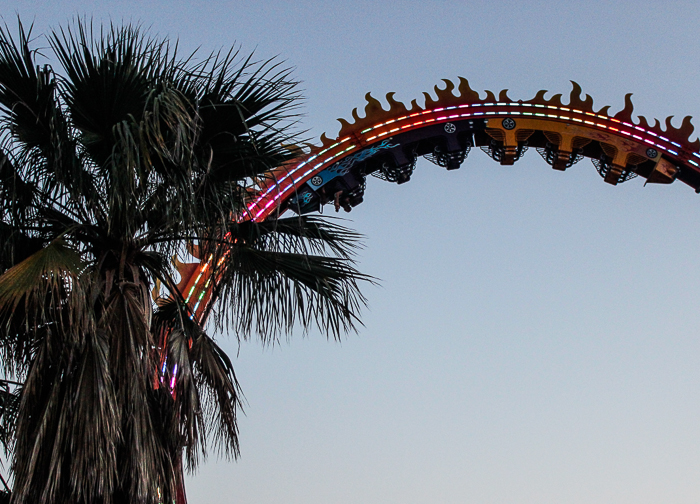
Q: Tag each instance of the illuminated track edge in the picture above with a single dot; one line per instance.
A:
(386, 143)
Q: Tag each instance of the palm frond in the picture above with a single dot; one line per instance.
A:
(10, 395)
(304, 234)
(203, 381)
(267, 293)
(33, 296)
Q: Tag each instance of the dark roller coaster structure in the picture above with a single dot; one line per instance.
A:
(386, 144)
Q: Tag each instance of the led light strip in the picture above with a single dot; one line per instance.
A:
(207, 283)
(532, 114)
(289, 181)
(203, 267)
(201, 272)
(282, 191)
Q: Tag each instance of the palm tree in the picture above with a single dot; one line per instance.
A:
(116, 156)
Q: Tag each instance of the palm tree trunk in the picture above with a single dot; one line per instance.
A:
(180, 497)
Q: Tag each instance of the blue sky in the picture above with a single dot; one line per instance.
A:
(535, 335)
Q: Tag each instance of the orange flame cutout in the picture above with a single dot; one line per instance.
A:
(374, 112)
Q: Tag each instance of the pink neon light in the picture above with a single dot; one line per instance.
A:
(172, 380)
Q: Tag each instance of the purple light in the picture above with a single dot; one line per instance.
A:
(172, 380)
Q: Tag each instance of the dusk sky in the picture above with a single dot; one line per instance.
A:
(535, 335)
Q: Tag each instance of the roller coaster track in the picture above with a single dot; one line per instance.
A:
(386, 144)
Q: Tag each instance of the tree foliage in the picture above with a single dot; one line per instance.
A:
(117, 155)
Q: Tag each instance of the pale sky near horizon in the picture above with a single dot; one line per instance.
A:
(534, 339)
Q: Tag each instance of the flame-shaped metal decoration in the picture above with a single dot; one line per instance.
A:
(386, 143)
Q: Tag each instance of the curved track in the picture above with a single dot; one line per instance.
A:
(387, 143)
